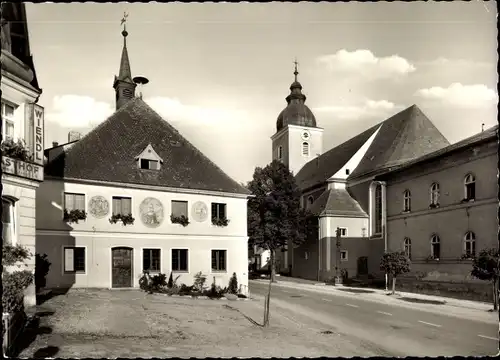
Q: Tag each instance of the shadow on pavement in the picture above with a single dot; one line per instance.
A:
(245, 316)
(32, 329)
(357, 291)
(46, 295)
(422, 301)
(46, 352)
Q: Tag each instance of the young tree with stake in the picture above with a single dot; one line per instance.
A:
(485, 267)
(395, 264)
(275, 217)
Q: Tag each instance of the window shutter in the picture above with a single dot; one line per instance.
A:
(79, 202)
(175, 259)
(69, 260)
(214, 260)
(214, 211)
(126, 206)
(69, 202)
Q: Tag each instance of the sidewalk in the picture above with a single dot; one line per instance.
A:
(462, 308)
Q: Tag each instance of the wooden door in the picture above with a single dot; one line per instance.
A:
(362, 265)
(121, 267)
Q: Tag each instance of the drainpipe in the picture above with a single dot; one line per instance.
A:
(320, 250)
(384, 224)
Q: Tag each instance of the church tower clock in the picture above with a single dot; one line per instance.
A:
(298, 139)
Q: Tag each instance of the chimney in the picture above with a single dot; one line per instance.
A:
(73, 136)
(55, 143)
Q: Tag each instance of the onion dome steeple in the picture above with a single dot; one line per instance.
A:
(123, 84)
(296, 112)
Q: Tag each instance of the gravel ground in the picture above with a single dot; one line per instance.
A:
(103, 323)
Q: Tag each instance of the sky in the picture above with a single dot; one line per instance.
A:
(220, 73)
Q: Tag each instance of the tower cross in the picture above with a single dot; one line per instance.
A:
(296, 72)
(124, 20)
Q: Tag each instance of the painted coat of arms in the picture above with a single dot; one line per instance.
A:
(151, 211)
(98, 206)
(199, 211)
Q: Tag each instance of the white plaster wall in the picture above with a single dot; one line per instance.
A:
(50, 207)
(296, 159)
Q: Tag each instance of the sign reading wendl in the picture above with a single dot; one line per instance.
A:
(38, 134)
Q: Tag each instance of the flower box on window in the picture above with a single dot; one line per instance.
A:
(16, 150)
(434, 206)
(220, 222)
(125, 219)
(182, 219)
(73, 216)
(467, 256)
(431, 258)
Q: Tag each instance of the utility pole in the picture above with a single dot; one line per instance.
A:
(338, 278)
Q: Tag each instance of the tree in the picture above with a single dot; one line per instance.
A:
(395, 263)
(275, 217)
(485, 267)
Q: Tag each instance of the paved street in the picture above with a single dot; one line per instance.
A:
(397, 331)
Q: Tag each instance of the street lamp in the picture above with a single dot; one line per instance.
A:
(338, 278)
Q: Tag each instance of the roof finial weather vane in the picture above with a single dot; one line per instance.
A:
(296, 71)
(123, 22)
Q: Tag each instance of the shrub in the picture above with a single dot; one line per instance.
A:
(13, 290)
(233, 284)
(170, 283)
(185, 290)
(159, 281)
(144, 283)
(12, 254)
(215, 291)
(199, 281)
(42, 267)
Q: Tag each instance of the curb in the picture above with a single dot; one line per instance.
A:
(456, 303)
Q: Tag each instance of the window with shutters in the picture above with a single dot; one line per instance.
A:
(219, 260)
(122, 205)
(8, 225)
(8, 123)
(74, 260)
(151, 260)
(74, 201)
(180, 260)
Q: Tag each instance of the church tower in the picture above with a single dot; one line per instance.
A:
(124, 85)
(298, 139)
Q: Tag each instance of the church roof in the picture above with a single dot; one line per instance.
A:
(483, 136)
(108, 153)
(337, 202)
(296, 111)
(404, 136)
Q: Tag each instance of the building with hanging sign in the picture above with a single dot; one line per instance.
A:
(22, 135)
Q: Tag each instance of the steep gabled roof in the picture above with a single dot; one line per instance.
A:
(337, 202)
(403, 137)
(108, 153)
(484, 136)
(318, 170)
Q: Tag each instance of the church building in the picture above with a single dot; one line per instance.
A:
(346, 188)
(134, 195)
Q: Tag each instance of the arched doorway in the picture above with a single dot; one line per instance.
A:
(121, 267)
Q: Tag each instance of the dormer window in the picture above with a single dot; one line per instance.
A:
(149, 164)
(148, 159)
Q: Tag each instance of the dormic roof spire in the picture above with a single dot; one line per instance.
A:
(125, 72)
(124, 85)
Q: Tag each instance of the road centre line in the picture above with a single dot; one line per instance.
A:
(427, 323)
(326, 300)
(488, 337)
(351, 305)
(384, 313)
